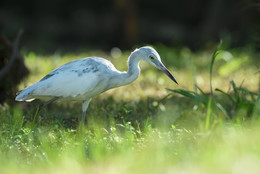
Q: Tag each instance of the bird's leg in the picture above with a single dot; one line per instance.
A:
(48, 102)
(42, 105)
(84, 110)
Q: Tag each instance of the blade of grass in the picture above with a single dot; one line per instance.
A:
(220, 107)
(214, 55)
(226, 94)
(185, 93)
(250, 93)
(202, 92)
(207, 122)
(192, 95)
(35, 114)
(236, 93)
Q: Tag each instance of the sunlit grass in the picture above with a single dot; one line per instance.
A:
(143, 127)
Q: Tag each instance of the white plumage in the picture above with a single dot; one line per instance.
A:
(82, 79)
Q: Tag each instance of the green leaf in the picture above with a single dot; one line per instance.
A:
(226, 94)
(235, 91)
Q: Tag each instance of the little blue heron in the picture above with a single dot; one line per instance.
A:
(82, 79)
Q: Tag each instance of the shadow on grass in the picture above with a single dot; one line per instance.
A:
(107, 113)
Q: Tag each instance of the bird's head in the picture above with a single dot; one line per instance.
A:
(151, 56)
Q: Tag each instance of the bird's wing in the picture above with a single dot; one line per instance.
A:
(74, 78)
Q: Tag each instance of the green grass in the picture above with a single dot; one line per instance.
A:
(208, 124)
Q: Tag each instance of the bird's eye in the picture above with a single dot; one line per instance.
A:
(151, 57)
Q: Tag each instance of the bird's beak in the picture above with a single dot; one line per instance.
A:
(166, 71)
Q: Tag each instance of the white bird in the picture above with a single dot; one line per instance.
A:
(82, 79)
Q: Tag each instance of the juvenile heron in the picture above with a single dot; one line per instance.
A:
(82, 79)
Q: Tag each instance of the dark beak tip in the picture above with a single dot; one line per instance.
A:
(175, 81)
(166, 71)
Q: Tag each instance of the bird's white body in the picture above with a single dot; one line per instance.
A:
(77, 80)
(82, 79)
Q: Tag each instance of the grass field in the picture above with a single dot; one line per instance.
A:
(210, 123)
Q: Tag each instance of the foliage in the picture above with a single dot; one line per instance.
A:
(206, 130)
(240, 103)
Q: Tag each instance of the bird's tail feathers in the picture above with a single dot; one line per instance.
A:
(24, 95)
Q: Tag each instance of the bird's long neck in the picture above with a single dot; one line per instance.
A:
(133, 70)
(124, 78)
(133, 67)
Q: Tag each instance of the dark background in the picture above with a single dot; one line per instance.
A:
(59, 24)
